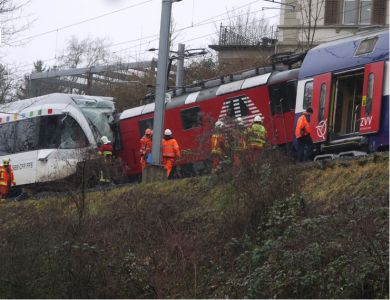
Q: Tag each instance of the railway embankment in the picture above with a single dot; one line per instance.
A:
(267, 229)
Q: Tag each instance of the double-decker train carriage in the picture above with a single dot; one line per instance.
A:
(45, 137)
(191, 116)
(346, 82)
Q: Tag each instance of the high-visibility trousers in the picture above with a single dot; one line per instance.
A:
(4, 190)
(143, 163)
(168, 164)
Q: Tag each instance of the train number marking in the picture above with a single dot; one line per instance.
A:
(21, 166)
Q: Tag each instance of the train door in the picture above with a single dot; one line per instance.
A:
(371, 98)
(346, 105)
(282, 102)
(320, 104)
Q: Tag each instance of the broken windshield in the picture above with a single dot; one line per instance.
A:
(100, 113)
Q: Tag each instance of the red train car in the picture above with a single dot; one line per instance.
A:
(191, 116)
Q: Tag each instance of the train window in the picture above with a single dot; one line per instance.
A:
(145, 124)
(370, 91)
(366, 46)
(277, 96)
(7, 134)
(282, 97)
(308, 95)
(72, 136)
(321, 110)
(236, 107)
(50, 132)
(191, 118)
(27, 135)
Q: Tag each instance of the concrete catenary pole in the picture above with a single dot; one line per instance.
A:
(161, 82)
(180, 69)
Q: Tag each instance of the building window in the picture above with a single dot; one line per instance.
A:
(357, 12)
(191, 118)
(365, 12)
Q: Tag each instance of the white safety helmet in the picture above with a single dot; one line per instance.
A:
(258, 118)
(219, 124)
(240, 121)
(104, 140)
(167, 132)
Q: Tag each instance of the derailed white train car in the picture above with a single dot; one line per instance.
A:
(45, 137)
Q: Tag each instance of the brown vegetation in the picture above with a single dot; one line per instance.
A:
(268, 229)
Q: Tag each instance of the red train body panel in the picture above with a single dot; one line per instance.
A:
(191, 117)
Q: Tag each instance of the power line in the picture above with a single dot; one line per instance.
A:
(80, 22)
(201, 23)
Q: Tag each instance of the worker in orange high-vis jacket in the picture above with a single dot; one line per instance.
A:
(146, 147)
(170, 151)
(6, 178)
(302, 134)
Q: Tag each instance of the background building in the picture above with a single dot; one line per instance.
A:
(311, 22)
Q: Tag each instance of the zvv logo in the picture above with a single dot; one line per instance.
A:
(366, 121)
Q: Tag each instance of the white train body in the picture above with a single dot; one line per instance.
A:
(45, 137)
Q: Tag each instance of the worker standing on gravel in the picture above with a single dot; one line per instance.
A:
(6, 178)
(170, 151)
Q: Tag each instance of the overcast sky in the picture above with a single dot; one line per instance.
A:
(130, 31)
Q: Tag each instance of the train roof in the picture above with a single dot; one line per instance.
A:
(214, 88)
(346, 53)
(199, 95)
(57, 101)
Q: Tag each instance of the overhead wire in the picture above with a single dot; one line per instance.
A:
(79, 22)
(201, 23)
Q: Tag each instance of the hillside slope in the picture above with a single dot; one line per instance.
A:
(268, 229)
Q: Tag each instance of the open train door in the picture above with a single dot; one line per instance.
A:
(371, 98)
(320, 104)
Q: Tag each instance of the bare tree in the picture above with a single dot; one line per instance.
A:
(85, 53)
(8, 84)
(10, 12)
(244, 28)
(311, 12)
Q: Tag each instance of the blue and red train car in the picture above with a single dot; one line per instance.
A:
(346, 82)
